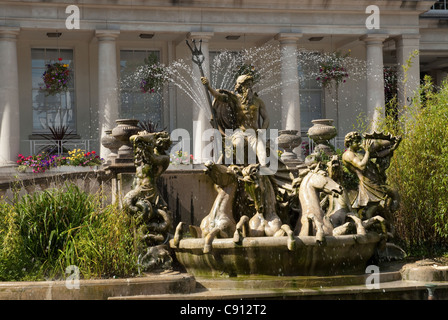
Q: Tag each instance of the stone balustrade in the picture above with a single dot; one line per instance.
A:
(22, 183)
(189, 206)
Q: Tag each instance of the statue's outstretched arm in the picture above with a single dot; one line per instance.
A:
(216, 94)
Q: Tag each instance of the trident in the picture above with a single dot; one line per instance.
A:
(198, 58)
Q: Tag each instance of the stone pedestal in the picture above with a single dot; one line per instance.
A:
(123, 131)
(111, 143)
(121, 178)
(321, 133)
(289, 140)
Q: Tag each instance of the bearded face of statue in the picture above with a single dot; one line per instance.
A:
(247, 93)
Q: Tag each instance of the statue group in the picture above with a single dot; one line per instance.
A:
(313, 200)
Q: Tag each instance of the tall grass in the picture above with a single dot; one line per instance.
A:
(419, 170)
(44, 232)
(105, 246)
(13, 260)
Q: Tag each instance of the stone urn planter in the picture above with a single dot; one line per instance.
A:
(123, 131)
(111, 143)
(321, 133)
(289, 140)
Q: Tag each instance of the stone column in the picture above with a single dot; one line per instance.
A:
(407, 87)
(107, 83)
(375, 77)
(201, 114)
(290, 81)
(9, 97)
(290, 97)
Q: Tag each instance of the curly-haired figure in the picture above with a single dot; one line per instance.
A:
(371, 190)
(243, 112)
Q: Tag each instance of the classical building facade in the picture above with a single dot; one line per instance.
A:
(102, 40)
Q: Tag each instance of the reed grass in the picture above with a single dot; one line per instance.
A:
(43, 233)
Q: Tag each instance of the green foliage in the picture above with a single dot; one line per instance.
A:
(12, 251)
(48, 219)
(106, 247)
(419, 168)
(44, 232)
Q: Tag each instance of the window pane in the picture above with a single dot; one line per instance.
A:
(56, 110)
(38, 58)
(37, 80)
(134, 103)
(310, 107)
(310, 93)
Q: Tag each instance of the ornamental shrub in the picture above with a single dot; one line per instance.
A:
(419, 169)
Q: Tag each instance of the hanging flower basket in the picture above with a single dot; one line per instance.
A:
(56, 78)
(333, 70)
(154, 75)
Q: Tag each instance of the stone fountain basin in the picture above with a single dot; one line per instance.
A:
(347, 254)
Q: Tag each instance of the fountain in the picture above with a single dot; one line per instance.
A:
(279, 218)
(234, 240)
(330, 240)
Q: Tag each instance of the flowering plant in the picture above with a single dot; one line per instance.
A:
(56, 77)
(38, 163)
(305, 148)
(43, 162)
(154, 75)
(181, 157)
(78, 157)
(333, 70)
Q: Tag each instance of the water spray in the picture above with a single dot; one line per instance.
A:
(198, 58)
